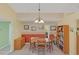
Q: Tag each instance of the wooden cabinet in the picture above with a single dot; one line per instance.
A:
(77, 43)
(18, 43)
(63, 38)
(22, 42)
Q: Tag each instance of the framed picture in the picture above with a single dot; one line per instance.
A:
(33, 28)
(41, 27)
(77, 29)
(52, 28)
(60, 28)
(26, 27)
(71, 29)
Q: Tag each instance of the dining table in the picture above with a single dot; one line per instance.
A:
(38, 43)
(37, 40)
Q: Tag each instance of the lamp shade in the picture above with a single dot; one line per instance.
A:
(41, 21)
(36, 21)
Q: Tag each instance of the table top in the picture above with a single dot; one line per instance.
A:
(38, 39)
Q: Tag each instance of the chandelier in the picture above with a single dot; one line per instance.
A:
(39, 19)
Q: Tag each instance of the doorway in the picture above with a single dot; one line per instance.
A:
(5, 37)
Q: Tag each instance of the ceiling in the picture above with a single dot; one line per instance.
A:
(50, 12)
(45, 7)
(47, 17)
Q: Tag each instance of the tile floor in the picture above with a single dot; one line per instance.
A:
(5, 51)
(26, 51)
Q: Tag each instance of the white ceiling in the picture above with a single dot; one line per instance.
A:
(50, 12)
(47, 17)
(45, 7)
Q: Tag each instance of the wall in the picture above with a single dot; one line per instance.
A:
(77, 23)
(78, 26)
(47, 17)
(7, 14)
(41, 31)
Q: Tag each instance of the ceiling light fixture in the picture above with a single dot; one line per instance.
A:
(39, 19)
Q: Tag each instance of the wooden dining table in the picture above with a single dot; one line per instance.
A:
(38, 40)
(38, 43)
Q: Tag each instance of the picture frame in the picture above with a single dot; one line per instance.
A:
(41, 27)
(71, 29)
(52, 28)
(33, 28)
(77, 29)
(60, 28)
(26, 27)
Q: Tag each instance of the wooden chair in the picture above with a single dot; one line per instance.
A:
(41, 45)
(50, 46)
(33, 43)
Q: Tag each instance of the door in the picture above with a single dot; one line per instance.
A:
(4, 36)
(77, 43)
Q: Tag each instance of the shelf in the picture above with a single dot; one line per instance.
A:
(63, 38)
(61, 47)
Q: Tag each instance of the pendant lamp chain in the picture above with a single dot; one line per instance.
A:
(39, 11)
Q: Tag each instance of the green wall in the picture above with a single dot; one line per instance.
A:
(4, 34)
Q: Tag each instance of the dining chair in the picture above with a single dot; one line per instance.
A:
(50, 46)
(33, 43)
(41, 45)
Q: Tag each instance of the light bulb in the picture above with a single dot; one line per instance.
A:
(41, 21)
(36, 21)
